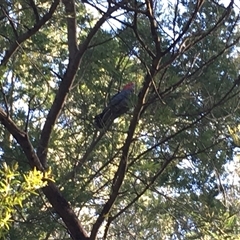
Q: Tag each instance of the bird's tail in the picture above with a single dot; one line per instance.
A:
(98, 121)
(104, 119)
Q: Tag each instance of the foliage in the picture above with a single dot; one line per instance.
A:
(15, 188)
(161, 170)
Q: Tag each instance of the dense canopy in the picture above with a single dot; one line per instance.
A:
(166, 169)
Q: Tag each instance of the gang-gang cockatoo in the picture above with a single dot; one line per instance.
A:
(117, 106)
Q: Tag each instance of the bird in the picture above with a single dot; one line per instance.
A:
(117, 106)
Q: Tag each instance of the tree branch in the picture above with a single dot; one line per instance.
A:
(64, 87)
(165, 164)
(10, 20)
(120, 173)
(34, 8)
(187, 26)
(22, 139)
(154, 26)
(71, 27)
(13, 48)
(54, 196)
(160, 171)
(135, 30)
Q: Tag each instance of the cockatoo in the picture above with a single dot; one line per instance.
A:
(117, 106)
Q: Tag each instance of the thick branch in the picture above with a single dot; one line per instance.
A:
(22, 139)
(34, 8)
(54, 196)
(154, 178)
(165, 164)
(29, 33)
(64, 87)
(71, 27)
(65, 211)
(120, 174)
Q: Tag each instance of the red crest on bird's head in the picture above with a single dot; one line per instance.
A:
(129, 86)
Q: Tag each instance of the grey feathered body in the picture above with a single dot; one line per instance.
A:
(117, 106)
